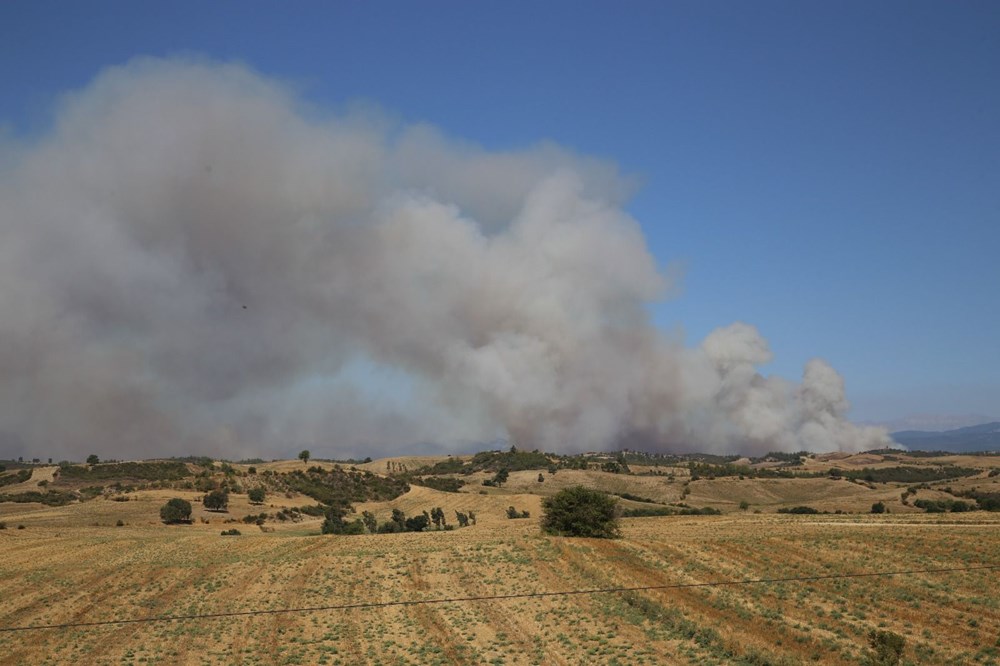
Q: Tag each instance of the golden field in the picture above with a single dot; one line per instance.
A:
(73, 564)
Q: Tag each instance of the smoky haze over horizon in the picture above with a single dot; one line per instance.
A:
(195, 261)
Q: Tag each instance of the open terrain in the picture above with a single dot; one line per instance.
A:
(73, 563)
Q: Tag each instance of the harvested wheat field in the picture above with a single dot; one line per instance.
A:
(61, 568)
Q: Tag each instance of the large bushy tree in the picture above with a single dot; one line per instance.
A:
(581, 512)
(176, 511)
(217, 500)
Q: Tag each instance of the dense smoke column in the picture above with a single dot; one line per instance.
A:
(194, 262)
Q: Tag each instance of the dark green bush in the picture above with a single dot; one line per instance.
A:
(176, 510)
(581, 512)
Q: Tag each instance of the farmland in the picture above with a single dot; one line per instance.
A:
(74, 563)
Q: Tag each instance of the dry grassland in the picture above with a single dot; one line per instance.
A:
(71, 564)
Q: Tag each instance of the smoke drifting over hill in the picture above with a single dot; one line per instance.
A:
(193, 260)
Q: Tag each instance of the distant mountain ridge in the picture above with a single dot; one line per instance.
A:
(982, 437)
(933, 422)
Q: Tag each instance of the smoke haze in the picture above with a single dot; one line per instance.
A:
(194, 260)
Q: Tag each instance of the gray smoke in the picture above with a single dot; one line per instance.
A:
(193, 260)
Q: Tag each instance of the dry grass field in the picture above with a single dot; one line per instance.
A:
(73, 564)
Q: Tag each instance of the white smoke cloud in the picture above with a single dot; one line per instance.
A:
(192, 261)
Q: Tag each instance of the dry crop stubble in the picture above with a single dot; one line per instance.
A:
(71, 563)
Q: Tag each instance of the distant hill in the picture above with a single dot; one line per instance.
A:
(984, 437)
(933, 422)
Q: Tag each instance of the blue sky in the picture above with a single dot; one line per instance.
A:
(829, 172)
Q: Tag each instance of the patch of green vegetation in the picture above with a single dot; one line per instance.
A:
(18, 477)
(943, 506)
(908, 474)
(670, 511)
(146, 471)
(49, 498)
(338, 487)
(445, 484)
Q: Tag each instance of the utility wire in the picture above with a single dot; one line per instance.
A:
(491, 597)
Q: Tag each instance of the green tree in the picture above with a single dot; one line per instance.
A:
(417, 523)
(368, 518)
(878, 507)
(335, 523)
(217, 500)
(541, 478)
(92, 459)
(304, 456)
(581, 512)
(256, 495)
(437, 516)
(176, 511)
(463, 520)
(501, 477)
(744, 505)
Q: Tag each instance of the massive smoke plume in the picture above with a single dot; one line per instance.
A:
(192, 260)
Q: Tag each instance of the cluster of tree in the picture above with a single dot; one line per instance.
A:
(791, 459)
(713, 470)
(258, 519)
(986, 501)
(944, 506)
(498, 479)
(905, 473)
(18, 477)
(335, 522)
(139, 471)
(513, 513)
(339, 487)
(614, 467)
(512, 460)
(799, 509)
(445, 484)
(51, 498)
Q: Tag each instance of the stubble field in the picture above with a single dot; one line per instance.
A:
(72, 564)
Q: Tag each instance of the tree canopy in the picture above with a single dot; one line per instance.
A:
(581, 512)
(176, 511)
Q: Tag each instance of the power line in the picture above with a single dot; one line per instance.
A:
(492, 597)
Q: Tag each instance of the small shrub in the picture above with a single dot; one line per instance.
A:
(231, 532)
(878, 507)
(886, 648)
(120, 523)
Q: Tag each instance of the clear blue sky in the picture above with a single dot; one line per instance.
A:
(829, 172)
